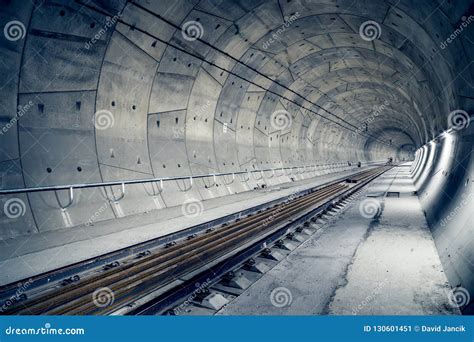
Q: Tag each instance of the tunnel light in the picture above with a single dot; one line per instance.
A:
(447, 148)
(450, 130)
(428, 162)
(443, 134)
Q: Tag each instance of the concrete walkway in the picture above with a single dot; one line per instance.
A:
(377, 257)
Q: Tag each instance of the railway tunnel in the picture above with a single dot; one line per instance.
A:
(336, 134)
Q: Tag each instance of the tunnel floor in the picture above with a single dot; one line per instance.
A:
(355, 265)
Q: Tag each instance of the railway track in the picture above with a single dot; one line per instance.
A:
(132, 278)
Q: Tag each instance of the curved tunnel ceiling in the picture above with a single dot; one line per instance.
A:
(156, 88)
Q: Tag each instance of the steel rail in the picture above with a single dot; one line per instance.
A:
(169, 255)
(139, 277)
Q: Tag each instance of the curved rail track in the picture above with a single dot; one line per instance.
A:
(137, 277)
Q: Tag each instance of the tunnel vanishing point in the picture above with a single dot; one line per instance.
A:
(229, 154)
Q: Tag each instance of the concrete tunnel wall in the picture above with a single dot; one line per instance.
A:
(175, 115)
(443, 171)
